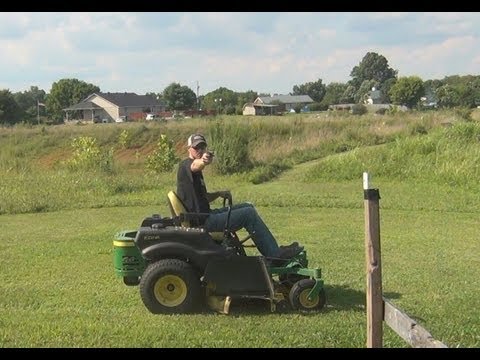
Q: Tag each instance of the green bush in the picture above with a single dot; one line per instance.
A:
(163, 158)
(124, 139)
(88, 156)
(319, 106)
(359, 109)
(230, 142)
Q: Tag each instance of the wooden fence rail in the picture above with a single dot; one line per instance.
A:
(380, 309)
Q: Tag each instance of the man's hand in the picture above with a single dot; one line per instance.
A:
(225, 194)
(207, 158)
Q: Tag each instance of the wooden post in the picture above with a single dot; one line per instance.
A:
(373, 266)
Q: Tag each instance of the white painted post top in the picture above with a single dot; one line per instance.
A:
(366, 180)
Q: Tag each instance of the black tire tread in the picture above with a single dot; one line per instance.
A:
(174, 267)
(296, 290)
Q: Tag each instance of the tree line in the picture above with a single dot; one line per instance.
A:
(373, 71)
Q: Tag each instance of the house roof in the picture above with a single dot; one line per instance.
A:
(118, 99)
(259, 105)
(84, 105)
(130, 99)
(286, 99)
(375, 94)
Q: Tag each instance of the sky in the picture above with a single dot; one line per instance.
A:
(267, 52)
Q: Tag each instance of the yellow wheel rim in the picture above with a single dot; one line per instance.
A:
(170, 290)
(308, 304)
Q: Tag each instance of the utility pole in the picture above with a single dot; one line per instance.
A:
(198, 101)
(38, 113)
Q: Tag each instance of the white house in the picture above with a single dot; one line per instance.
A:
(269, 105)
(109, 107)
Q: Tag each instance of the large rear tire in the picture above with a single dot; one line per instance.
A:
(170, 286)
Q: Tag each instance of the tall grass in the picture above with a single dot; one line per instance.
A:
(59, 289)
(231, 141)
(445, 156)
(40, 191)
(33, 177)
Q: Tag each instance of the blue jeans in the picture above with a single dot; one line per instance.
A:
(244, 215)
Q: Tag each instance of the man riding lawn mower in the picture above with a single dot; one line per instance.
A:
(180, 267)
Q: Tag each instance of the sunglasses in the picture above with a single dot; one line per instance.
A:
(200, 147)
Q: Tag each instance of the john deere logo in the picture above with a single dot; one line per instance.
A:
(129, 260)
(152, 237)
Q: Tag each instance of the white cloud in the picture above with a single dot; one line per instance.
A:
(265, 52)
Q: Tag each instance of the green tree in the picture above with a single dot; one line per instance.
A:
(220, 99)
(363, 90)
(67, 92)
(448, 96)
(467, 89)
(10, 112)
(178, 97)
(407, 91)
(158, 96)
(372, 67)
(27, 102)
(431, 87)
(385, 90)
(348, 96)
(473, 89)
(316, 90)
(333, 94)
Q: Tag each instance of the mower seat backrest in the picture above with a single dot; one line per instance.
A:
(177, 207)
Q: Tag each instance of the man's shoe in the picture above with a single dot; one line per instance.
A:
(288, 252)
(294, 244)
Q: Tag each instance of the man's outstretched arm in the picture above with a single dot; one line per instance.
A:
(224, 194)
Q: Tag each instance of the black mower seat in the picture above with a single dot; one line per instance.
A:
(177, 208)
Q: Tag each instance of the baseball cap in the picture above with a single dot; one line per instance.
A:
(196, 139)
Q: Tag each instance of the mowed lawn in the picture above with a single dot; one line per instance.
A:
(59, 289)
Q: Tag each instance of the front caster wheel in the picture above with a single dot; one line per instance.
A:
(299, 296)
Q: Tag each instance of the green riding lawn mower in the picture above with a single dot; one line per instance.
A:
(181, 268)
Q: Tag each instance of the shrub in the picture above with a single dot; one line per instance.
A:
(163, 158)
(359, 109)
(318, 106)
(231, 144)
(87, 156)
(124, 139)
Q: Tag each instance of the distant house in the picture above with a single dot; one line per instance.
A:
(373, 97)
(110, 107)
(266, 105)
(373, 108)
(341, 107)
(259, 109)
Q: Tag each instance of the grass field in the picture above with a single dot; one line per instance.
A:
(58, 284)
(59, 289)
